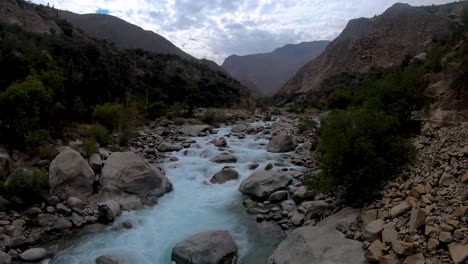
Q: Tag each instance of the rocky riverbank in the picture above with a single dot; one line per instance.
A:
(422, 216)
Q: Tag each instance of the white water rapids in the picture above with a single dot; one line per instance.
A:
(193, 206)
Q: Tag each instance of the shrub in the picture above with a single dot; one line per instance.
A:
(23, 109)
(90, 146)
(339, 99)
(108, 114)
(306, 125)
(28, 183)
(214, 116)
(36, 138)
(360, 149)
(99, 133)
(156, 109)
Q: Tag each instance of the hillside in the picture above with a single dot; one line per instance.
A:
(387, 40)
(266, 73)
(128, 36)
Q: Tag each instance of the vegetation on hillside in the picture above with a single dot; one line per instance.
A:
(48, 81)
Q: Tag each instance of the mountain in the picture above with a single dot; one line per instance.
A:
(402, 31)
(266, 73)
(35, 40)
(128, 36)
(122, 33)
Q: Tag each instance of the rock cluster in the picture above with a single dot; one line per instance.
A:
(422, 217)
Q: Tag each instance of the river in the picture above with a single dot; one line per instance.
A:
(193, 206)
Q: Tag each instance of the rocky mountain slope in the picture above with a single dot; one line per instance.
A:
(366, 43)
(266, 73)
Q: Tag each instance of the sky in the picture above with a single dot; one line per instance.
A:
(215, 29)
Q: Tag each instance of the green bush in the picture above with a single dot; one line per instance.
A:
(24, 109)
(306, 125)
(214, 116)
(28, 183)
(360, 149)
(339, 99)
(90, 146)
(156, 109)
(108, 114)
(36, 138)
(99, 133)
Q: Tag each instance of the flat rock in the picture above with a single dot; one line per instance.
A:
(458, 252)
(110, 260)
(400, 209)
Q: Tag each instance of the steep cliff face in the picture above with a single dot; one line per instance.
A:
(266, 73)
(382, 41)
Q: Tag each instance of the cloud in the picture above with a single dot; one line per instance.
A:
(215, 29)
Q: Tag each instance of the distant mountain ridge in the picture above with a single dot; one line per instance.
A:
(386, 40)
(266, 73)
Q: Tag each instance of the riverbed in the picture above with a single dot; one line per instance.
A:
(193, 206)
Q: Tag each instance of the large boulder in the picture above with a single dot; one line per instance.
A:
(125, 172)
(211, 247)
(281, 143)
(226, 174)
(195, 130)
(321, 243)
(70, 175)
(259, 185)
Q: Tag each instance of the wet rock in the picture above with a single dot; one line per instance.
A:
(195, 130)
(167, 147)
(125, 172)
(70, 175)
(226, 174)
(224, 158)
(221, 143)
(211, 247)
(259, 185)
(238, 129)
(109, 211)
(110, 260)
(281, 143)
(34, 254)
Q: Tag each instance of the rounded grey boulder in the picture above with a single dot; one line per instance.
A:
(70, 175)
(126, 172)
(259, 185)
(281, 143)
(211, 247)
(226, 174)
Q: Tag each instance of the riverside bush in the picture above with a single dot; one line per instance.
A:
(99, 133)
(360, 149)
(108, 114)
